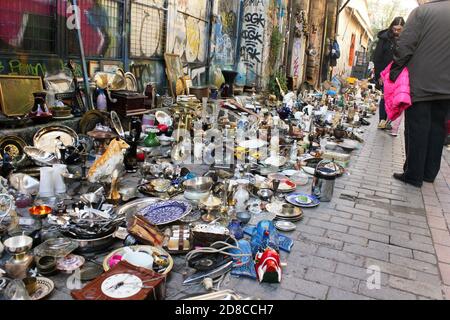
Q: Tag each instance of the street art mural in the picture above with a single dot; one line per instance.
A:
(225, 25)
(29, 25)
(189, 35)
(253, 37)
(147, 29)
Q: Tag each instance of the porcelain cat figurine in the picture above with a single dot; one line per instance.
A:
(103, 167)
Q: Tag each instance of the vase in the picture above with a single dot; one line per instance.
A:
(152, 140)
(241, 197)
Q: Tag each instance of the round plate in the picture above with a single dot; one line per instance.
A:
(14, 146)
(286, 226)
(165, 212)
(64, 118)
(292, 199)
(45, 138)
(148, 249)
(276, 209)
(289, 172)
(44, 287)
(131, 81)
(70, 263)
(253, 144)
(304, 200)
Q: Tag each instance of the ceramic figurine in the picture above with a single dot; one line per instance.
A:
(103, 167)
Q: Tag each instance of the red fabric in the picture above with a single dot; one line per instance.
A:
(397, 95)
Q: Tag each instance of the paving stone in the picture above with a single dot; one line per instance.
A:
(414, 264)
(390, 232)
(327, 225)
(421, 238)
(441, 236)
(310, 229)
(443, 253)
(366, 252)
(350, 222)
(392, 269)
(346, 237)
(437, 223)
(410, 229)
(408, 253)
(423, 256)
(352, 210)
(338, 294)
(324, 241)
(385, 293)
(389, 218)
(332, 279)
(377, 222)
(340, 256)
(358, 272)
(304, 287)
(370, 235)
(399, 241)
(419, 288)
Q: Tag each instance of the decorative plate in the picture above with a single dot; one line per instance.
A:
(166, 211)
(285, 226)
(293, 199)
(45, 139)
(14, 147)
(44, 287)
(70, 263)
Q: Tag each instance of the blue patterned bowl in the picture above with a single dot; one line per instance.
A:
(165, 212)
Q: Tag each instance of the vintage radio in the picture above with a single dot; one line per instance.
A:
(127, 103)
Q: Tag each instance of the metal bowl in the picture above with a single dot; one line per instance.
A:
(265, 194)
(18, 244)
(40, 211)
(40, 157)
(200, 184)
(244, 217)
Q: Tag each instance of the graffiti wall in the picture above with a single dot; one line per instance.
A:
(149, 71)
(252, 42)
(224, 36)
(188, 36)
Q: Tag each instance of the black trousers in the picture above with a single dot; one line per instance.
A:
(383, 114)
(425, 133)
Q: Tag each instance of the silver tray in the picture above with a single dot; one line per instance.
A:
(45, 138)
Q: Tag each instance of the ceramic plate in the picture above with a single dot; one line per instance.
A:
(289, 172)
(14, 147)
(304, 200)
(44, 287)
(64, 118)
(253, 144)
(277, 161)
(70, 263)
(285, 226)
(309, 170)
(292, 199)
(165, 212)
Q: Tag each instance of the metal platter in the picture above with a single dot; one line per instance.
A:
(46, 138)
(131, 208)
(14, 147)
(131, 82)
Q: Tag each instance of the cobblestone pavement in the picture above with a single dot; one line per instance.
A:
(373, 220)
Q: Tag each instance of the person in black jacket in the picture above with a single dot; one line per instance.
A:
(424, 48)
(384, 54)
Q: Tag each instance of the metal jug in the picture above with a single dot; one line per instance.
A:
(323, 181)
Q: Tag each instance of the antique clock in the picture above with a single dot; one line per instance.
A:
(124, 282)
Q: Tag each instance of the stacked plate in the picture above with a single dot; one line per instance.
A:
(285, 212)
(302, 200)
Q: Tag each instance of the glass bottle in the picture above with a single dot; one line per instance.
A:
(241, 197)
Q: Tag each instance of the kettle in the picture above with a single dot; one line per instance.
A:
(324, 180)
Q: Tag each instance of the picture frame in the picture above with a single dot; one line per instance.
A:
(16, 94)
(174, 71)
(94, 66)
(110, 66)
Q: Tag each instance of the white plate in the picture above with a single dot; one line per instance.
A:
(285, 226)
(289, 172)
(277, 161)
(252, 144)
(309, 170)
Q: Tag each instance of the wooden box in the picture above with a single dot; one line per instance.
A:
(127, 103)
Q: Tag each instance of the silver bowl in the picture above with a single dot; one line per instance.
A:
(18, 244)
(265, 194)
(41, 157)
(200, 184)
(244, 217)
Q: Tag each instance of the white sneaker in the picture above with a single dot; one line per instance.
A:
(393, 134)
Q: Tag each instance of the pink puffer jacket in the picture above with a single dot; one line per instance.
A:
(397, 95)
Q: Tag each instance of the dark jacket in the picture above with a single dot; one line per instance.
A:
(424, 47)
(384, 52)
